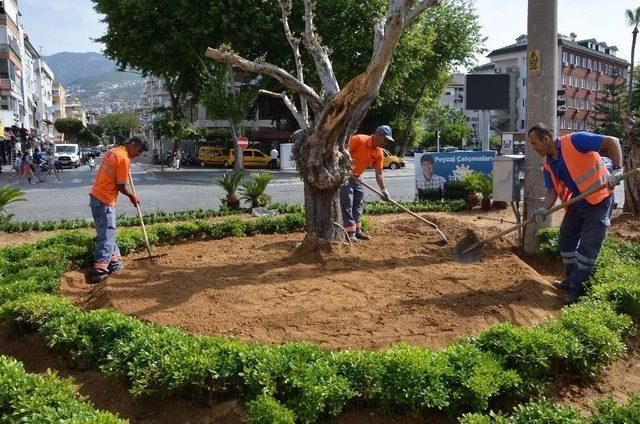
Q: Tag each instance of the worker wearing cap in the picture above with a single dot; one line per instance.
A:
(112, 178)
(573, 165)
(365, 151)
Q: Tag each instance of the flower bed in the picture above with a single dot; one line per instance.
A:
(299, 381)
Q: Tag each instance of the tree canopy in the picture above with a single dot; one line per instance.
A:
(120, 125)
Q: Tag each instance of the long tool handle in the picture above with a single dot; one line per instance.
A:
(550, 211)
(144, 229)
(415, 215)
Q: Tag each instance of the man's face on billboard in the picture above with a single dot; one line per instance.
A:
(427, 168)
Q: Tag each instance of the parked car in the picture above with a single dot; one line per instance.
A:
(67, 155)
(97, 150)
(215, 156)
(392, 161)
(254, 158)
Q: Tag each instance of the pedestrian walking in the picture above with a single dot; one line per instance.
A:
(273, 163)
(572, 165)
(17, 166)
(27, 169)
(365, 151)
(37, 165)
(51, 166)
(177, 156)
(112, 178)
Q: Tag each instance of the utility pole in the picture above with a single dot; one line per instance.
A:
(542, 83)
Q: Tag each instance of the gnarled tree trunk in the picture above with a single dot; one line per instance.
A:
(632, 185)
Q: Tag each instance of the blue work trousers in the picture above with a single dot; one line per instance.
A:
(352, 204)
(581, 235)
(107, 254)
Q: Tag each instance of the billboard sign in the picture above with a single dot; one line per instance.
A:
(487, 92)
(433, 170)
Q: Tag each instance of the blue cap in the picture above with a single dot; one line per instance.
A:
(385, 130)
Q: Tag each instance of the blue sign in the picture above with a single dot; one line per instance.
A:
(432, 170)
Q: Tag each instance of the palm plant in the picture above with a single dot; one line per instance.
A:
(254, 192)
(229, 183)
(9, 195)
(633, 20)
(479, 183)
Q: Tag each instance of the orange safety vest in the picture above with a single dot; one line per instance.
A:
(586, 169)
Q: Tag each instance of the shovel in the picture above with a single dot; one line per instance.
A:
(467, 250)
(415, 215)
(144, 229)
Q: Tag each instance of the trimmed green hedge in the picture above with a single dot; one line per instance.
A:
(300, 381)
(546, 412)
(31, 398)
(372, 208)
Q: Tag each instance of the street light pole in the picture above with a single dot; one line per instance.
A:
(542, 85)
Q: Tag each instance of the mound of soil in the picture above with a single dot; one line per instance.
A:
(401, 286)
(626, 226)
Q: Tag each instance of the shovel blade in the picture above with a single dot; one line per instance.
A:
(465, 251)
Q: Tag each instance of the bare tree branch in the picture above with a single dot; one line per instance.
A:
(419, 8)
(319, 53)
(263, 68)
(285, 7)
(290, 105)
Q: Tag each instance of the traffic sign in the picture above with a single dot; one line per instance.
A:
(243, 142)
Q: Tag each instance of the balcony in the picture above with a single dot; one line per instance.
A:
(7, 84)
(11, 48)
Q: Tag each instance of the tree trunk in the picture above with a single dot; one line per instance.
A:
(633, 54)
(324, 219)
(412, 116)
(632, 185)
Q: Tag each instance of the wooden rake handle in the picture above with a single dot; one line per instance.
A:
(550, 211)
(139, 210)
(415, 215)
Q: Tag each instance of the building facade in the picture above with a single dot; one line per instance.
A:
(584, 68)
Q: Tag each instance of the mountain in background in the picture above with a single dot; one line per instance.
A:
(96, 81)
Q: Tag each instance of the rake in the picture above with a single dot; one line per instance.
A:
(144, 229)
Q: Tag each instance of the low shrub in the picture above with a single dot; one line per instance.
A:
(30, 398)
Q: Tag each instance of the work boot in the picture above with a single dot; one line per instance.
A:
(115, 266)
(362, 236)
(352, 238)
(97, 276)
(562, 284)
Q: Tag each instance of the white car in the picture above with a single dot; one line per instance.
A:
(67, 155)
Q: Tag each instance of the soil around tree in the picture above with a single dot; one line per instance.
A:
(401, 286)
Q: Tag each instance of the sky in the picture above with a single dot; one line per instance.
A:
(70, 25)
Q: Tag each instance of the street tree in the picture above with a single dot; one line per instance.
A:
(633, 19)
(70, 127)
(321, 152)
(609, 111)
(451, 123)
(120, 125)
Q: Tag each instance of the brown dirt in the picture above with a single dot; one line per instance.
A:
(402, 286)
(10, 239)
(621, 378)
(626, 226)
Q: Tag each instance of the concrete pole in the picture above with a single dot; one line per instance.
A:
(542, 83)
(485, 129)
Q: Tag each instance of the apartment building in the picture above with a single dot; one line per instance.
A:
(584, 68)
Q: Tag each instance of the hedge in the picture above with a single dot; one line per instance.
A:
(300, 382)
(546, 412)
(371, 208)
(31, 398)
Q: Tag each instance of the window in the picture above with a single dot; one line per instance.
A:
(564, 80)
(523, 104)
(572, 58)
(565, 57)
(582, 83)
(522, 124)
(524, 82)
(589, 64)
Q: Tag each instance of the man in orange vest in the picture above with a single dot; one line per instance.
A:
(112, 178)
(365, 151)
(573, 165)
